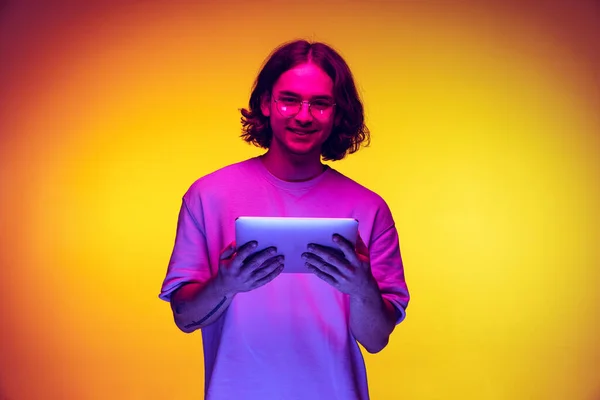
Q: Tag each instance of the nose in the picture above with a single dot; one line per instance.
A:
(304, 115)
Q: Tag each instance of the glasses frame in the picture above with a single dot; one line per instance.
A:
(302, 102)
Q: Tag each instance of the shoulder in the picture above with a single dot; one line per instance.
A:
(350, 188)
(222, 179)
(363, 203)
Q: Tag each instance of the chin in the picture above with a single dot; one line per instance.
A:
(300, 146)
(302, 151)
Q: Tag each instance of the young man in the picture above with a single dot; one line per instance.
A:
(268, 335)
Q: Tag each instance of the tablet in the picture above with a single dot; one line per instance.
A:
(291, 235)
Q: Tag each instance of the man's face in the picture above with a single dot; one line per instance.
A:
(305, 132)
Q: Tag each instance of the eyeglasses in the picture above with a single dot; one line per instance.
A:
(290, 107)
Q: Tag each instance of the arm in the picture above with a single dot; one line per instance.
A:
(372, 319)
(196, 305)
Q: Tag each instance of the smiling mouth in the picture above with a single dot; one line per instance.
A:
(301, 132)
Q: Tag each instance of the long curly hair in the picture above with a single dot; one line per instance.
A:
(349, 132)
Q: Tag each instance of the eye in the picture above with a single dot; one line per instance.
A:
(321, 104)
(288, 101)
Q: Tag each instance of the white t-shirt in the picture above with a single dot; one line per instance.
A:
(289, 339)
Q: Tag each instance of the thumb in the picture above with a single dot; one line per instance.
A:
(228, 251)
(361, 247)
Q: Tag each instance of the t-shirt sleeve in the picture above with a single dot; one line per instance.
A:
(189, 260)
(386, 262)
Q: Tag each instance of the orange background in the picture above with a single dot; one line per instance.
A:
(486, 141)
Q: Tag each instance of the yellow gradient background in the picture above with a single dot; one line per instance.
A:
(486, 145)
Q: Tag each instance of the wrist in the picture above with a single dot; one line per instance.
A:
(222, 289)
(367, 293)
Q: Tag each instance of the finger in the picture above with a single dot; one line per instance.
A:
(268, 278)
(324, 276)
(327, 268)
(361, 247)
(328, 254)
(255, 260)
(314, 260)
(244, 251)
(267, 267)
(346, 248)
(228, 251)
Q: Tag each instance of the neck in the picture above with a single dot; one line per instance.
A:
(293, 168)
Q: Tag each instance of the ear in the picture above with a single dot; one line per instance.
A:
(265, 104)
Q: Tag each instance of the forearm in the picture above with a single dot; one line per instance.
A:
(197, 305)
(372, 320)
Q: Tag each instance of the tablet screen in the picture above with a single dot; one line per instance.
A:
(291, 235)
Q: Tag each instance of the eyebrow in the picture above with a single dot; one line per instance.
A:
(292, 94)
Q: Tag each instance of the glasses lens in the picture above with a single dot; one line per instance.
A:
(321, 106)
(289, 107)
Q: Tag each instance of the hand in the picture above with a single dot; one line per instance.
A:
(242, 269)
(345, 268)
